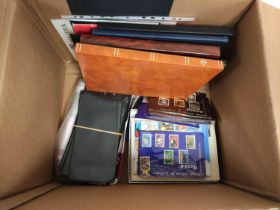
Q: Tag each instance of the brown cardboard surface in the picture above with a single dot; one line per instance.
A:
(269, 14)
(242, 97)
(6, 18)
(72, 75)
(32, 75)
(246, 97)
(24, 197)
(214, 12)
(52, 8)
(45, 10)
(168, 196)
(5, 6)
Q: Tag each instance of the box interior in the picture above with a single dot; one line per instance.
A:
(38, 75)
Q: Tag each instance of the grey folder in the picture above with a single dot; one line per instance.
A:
(91, 156)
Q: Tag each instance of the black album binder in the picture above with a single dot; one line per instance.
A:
(120, 7)
(179, 29)
(91, 156)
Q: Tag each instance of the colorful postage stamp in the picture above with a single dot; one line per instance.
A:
(147, 140)
(190, 142)
(163, 101)
(179, 103)
(145, 165)
(173, 141)
(164, 126)
(159, 140)
(183, 156)
(168, 157)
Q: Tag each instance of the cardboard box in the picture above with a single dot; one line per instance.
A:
(37, 75)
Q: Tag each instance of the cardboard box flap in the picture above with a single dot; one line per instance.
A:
(32, 78)
(246, 97)
(44, 11)
(6, 18)
(215, 12)
(243, 96)
(6, 8)
(269, 13)
(149, 197)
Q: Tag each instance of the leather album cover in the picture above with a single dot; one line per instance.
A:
(133, 72)
(155, 46)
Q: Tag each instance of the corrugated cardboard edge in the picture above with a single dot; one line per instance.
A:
(25, 197)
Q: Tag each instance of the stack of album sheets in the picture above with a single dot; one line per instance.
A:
(145, 85)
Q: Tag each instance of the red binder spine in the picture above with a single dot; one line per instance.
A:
(83, 28)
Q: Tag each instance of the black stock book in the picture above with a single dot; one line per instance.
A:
(91, 155)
